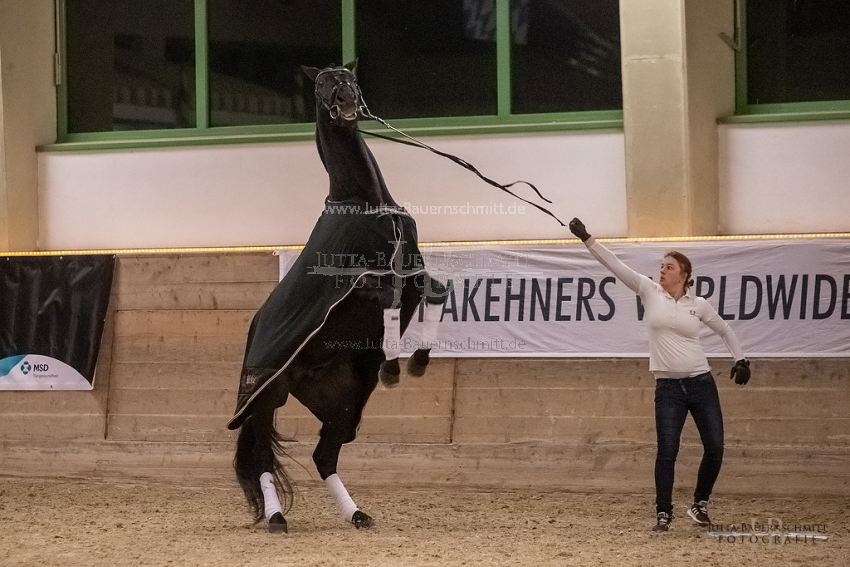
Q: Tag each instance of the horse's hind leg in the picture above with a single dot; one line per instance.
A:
(258, 469)
(337, 399)
(273, 509)
(326, 457)
(334, 434)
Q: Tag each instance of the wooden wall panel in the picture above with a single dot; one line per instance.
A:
(171, 356)
(145, 270)
(30, 427)
(173, 374)
(178, 343)
(195, 281)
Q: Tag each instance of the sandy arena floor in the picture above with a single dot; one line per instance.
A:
(77, 523)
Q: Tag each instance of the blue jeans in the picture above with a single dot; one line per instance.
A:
(674, 398)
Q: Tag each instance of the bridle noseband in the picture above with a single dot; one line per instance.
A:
(344, 78)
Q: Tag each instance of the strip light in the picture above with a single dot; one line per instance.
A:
(639, 239)
(139, 251)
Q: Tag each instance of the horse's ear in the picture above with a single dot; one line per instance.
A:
(351, 66)
(311, 72)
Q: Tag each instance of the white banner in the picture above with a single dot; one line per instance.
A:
(38, 372)
(782, 297)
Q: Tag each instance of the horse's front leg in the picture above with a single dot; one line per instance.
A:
(434, 298)
(390, 371)
(387, 291)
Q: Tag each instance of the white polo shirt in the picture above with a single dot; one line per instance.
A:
(673, 326)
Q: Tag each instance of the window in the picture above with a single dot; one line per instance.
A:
(796, 51)
(439, 58)
(130, 65)
(565, 56)
(156, 70)
(256, 50)
(421, 59)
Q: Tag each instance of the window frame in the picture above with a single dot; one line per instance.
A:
(746, 113)
(204, 134)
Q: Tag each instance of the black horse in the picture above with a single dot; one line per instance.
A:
(333, 325)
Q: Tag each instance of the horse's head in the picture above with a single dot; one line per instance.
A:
(338, 92)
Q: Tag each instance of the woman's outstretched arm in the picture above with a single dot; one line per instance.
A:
(628, 276)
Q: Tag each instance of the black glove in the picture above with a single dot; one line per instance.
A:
(577, 228)
(741, 372)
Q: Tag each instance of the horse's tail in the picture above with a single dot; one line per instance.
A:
(258, 450)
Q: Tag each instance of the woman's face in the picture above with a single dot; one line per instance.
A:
(671, 274)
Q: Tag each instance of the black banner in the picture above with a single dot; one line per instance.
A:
(52, 314)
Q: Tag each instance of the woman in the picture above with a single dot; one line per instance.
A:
(683, 379)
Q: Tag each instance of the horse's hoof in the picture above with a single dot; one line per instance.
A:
(361, 520)
(418, 363)
(390, 373)
(277, 524)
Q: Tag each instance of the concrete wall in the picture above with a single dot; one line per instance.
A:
(788, 178)
(27, 114)
(772, 179)
(271, 194)
(168, 372)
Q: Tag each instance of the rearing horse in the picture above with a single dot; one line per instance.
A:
(333, 325)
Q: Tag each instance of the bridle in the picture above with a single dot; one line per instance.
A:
(327, 99)
(350, 81)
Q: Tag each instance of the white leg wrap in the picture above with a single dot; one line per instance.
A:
(344, 503)
(272, 503)
(392, 333)
(433, 314)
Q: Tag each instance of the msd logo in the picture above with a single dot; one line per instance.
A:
(26, 367)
